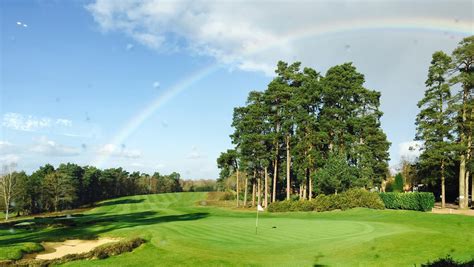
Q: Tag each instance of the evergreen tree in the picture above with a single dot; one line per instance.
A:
(463, 59)
(435, 121)
(398, 183)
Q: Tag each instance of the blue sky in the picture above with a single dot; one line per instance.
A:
(75, 73)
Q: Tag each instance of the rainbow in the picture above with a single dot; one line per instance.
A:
(462, 28)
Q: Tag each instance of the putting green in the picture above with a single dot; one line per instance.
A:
(179, 232)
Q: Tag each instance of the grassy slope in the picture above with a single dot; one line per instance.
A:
(181, 233)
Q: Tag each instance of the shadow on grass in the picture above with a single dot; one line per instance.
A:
(92, 225)
(121, 201)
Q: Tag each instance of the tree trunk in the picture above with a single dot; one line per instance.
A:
(462, 166)
(462, 181)
(246, 189)
(443, 191)
(237, 187)
(310, 185)
(468, 173)
(304, 191)
(472, 189)
(275, 174)
(7, 205)
(253, 192)
(265, 202)
(467, 188)
(56, 203)
(288, 162)
(259, 190)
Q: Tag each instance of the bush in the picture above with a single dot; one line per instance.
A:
(422, 201)
(282, 206)
(398, 184)
(325, 202)
(361, 198)
(228, 196)
(449, 262)
(350, 199)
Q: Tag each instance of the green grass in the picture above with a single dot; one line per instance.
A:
(180, 233)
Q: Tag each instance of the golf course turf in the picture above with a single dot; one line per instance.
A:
(179, 231)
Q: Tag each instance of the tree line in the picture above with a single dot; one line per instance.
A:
(71, 186)
(445, 121)
(307, 134)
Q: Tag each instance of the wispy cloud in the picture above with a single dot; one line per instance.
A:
(30, 123)
(236, 32)
(195, 154)
(119, 151)
(129, 47)
(410, 150)
(46, 147)
(6, 147)
(9, 159)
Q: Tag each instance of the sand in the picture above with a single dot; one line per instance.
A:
(54, 250)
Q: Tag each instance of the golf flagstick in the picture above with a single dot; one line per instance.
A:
(259, 208)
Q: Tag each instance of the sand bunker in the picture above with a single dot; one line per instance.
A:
(54, 250)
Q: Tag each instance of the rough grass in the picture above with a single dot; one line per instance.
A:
(179, 232)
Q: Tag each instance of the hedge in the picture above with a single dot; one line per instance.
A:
(421, 201)
(347, 200)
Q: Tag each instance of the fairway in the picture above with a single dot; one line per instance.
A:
(180, 232)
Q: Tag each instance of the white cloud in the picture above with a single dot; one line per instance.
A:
(137, 164)
(64, 122)
(195, 154)
(156, 84)
(129, 47)
(19, 23)
(116, 151)
(410, 150)
(30, 123)
(47, 147)
(6, 147)
(253, 36)
(9, 159)
(160, 166)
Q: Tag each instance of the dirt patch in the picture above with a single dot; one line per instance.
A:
(55, 250)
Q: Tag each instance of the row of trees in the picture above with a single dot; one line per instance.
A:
(310, 133)
(72, 186)
(445, 121)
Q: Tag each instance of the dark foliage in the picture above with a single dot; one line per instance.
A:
(71, 186)
(350, 199)
(449, 262)
(421, 201)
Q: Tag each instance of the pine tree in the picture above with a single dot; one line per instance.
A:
(435, 121)
(463, 59)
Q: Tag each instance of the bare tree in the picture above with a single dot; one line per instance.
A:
(7, 187)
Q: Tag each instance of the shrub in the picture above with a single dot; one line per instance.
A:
(324, 203)
(449, 262)
(228, 196)
(398, 184)
(361, 198)
(422, 201)
(350, 199)
(282, 206)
